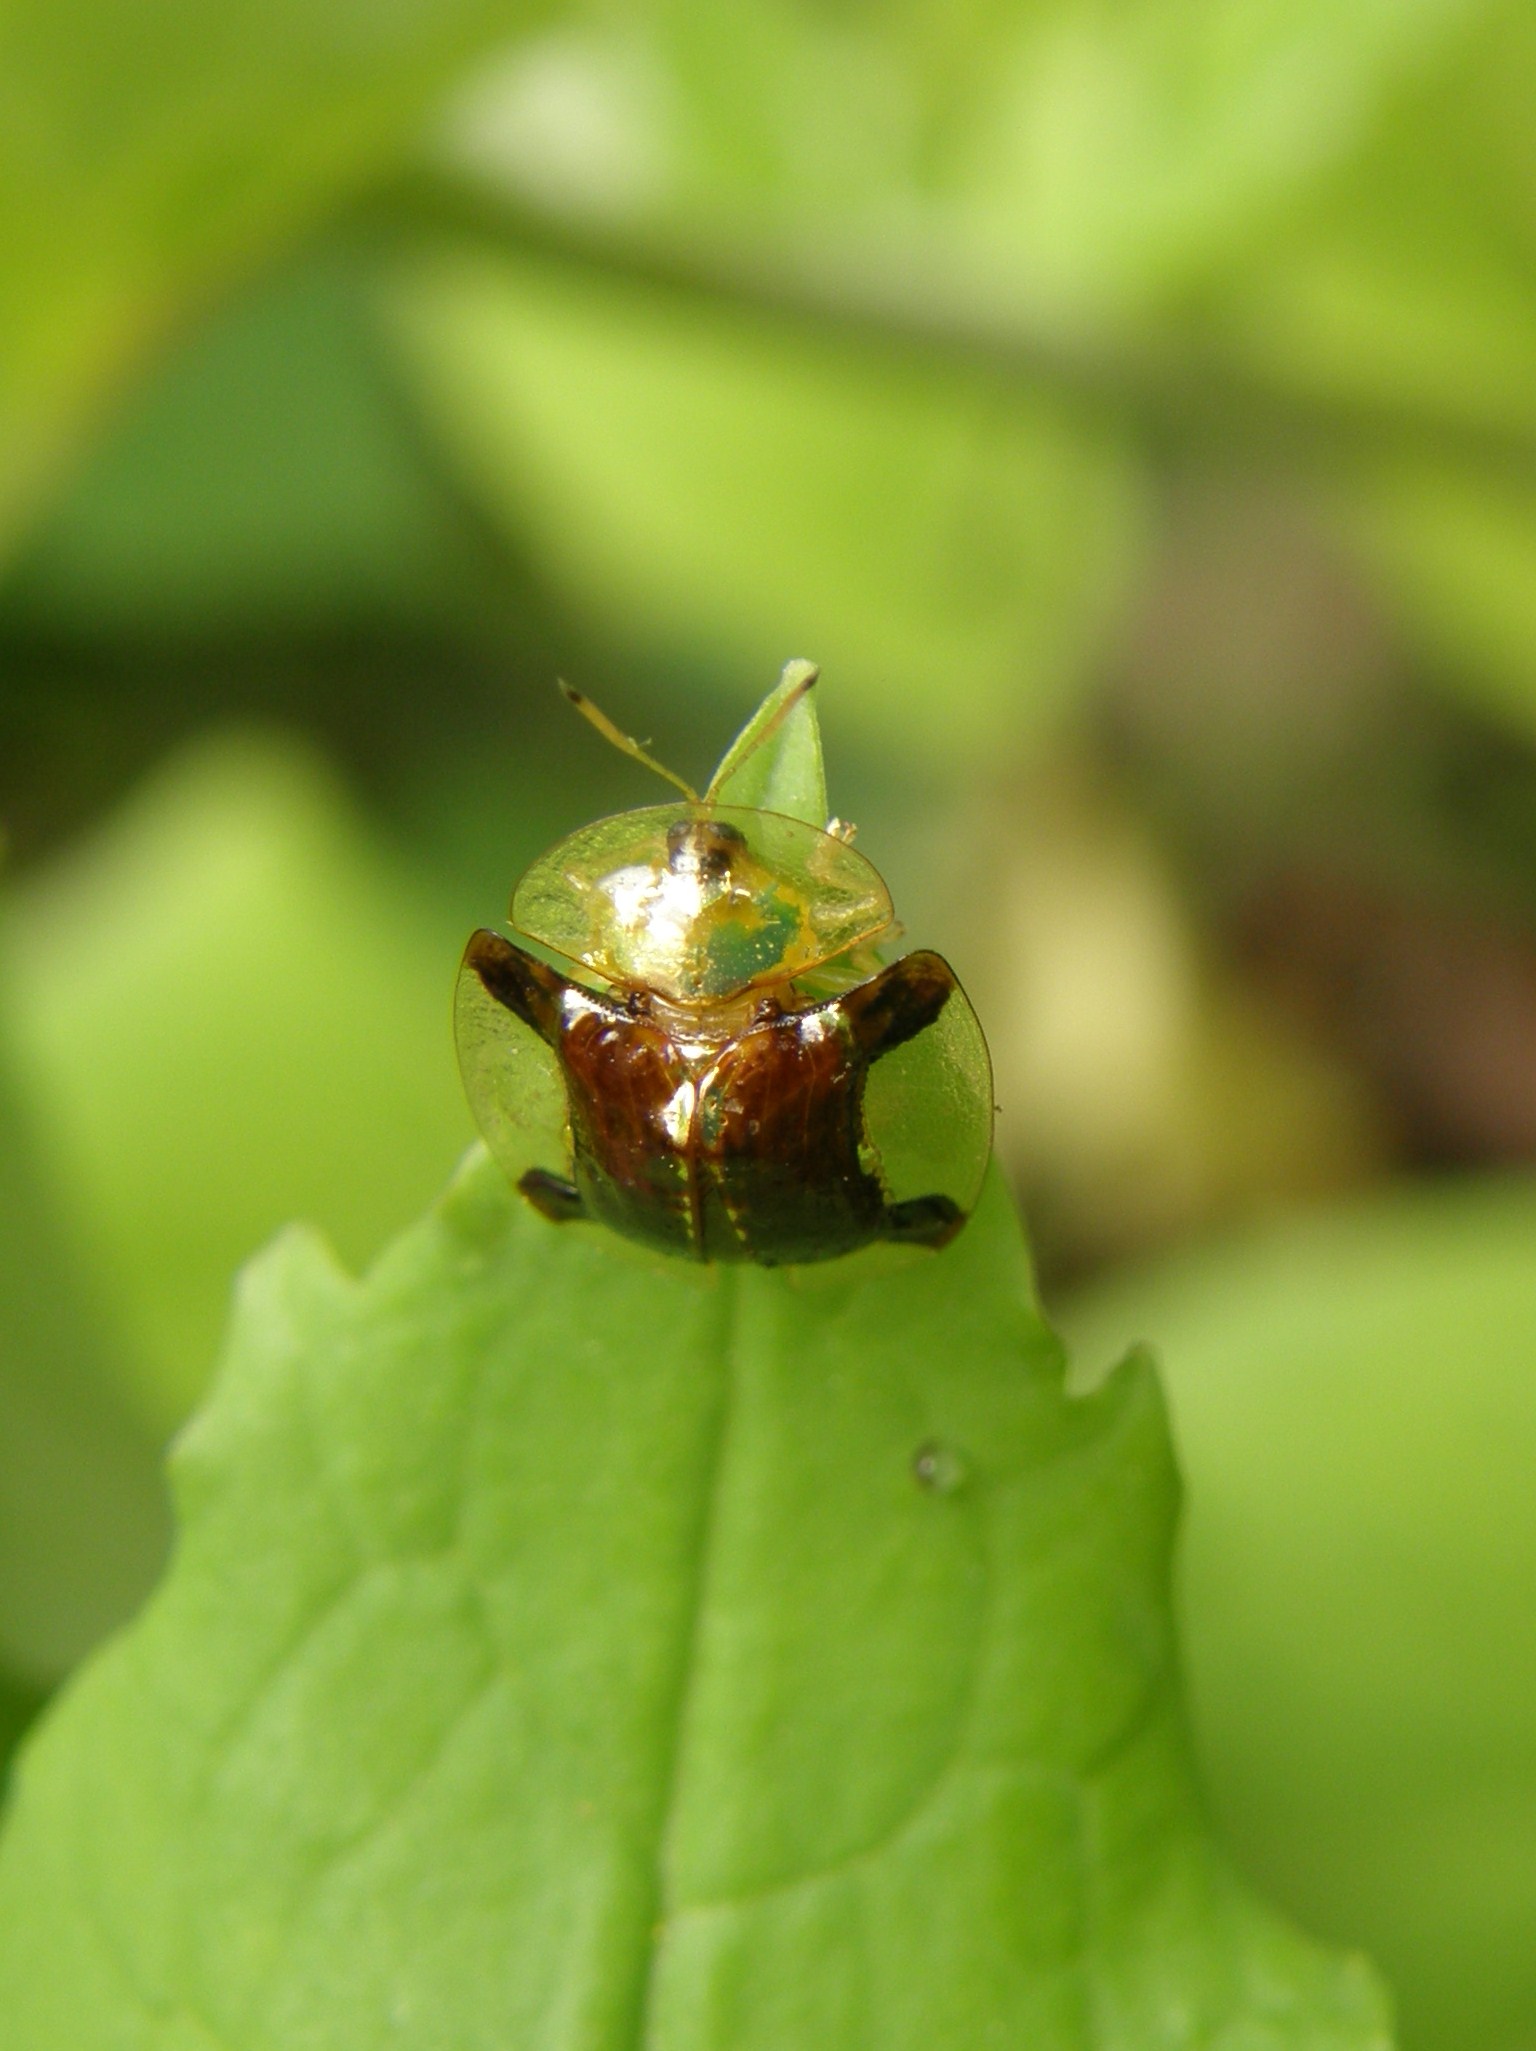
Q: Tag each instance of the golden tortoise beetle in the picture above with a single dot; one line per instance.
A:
(729, 1075)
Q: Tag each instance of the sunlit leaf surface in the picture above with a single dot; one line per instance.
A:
(148, 152)
(573, 1649)
(1355, 1409)
(237, 930)
(1060, 154)
(950, 553)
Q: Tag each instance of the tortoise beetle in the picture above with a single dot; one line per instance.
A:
(729, 1074)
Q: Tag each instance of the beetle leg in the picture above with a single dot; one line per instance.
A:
(552, 1196)
(896, 1005)
(528, 989)
(924, 1220)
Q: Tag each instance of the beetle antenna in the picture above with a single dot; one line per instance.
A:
(595, 716)
(781, 712)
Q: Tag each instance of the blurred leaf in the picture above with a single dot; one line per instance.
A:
(19, 1704)
(1087, 199)
(1407, 276)
(950, 554)
(84, 1521)
(567, 1645)
(1452, 553)
(1141, 1088)
(227, 1008)
(1061, 158)
(149, 152)
(263, 482)
(784, 772)
(1355, 1408)
(1408, 282)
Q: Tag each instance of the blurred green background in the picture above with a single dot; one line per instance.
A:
(1133, 409)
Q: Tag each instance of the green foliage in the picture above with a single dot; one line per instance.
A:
(150, 152)
(263, 481)
(73, 1462)
(566, 1646)
(19, 1704)
(979, 266)
(243, 936)
(697, 481)
(1356, 1415)
(784, 773)
(1452, 553)
(884, 332)
(1062, 156)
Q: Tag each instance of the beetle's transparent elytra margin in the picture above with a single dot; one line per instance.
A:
(512, 1079)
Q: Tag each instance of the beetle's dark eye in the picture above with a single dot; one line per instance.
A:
(706, 845)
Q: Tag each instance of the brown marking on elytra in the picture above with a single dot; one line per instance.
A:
(529, 988)
(899, 1003)
(624, 1073)
(728, 1133)
(777, 1151)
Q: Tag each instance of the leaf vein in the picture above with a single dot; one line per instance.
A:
(673, 1767)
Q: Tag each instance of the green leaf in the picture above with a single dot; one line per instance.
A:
(225, 1008)
(1452, 552)
(84, 1523)
(1062, 156)
(262, 483)
(1355, 1408)
(784, 774)
(567, 1647)
(954, 553)
(1406, 279)
(1405, 287)
(146, 153)
(19, 1704)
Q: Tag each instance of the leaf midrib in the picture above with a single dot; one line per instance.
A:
(676, 1725)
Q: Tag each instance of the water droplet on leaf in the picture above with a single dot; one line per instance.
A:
(941, 1468)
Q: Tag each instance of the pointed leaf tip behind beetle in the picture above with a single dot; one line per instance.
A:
(577, 1650)
(784, 773)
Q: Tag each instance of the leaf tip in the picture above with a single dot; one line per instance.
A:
(1087, 1378)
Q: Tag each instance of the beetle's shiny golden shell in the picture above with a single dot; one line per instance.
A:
(701, 902)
